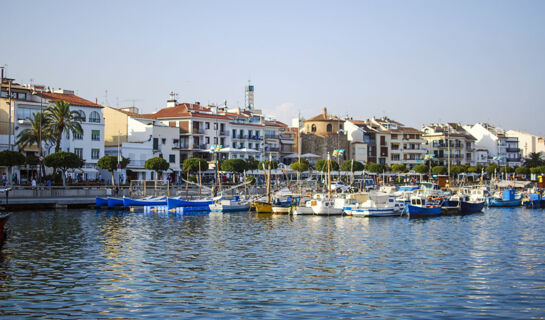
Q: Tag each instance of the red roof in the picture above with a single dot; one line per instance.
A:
(70, 98)
(275, 124)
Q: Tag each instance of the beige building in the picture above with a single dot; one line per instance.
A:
(323, 124)
(462, 144)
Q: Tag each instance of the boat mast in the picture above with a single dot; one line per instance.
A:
(329, 176)
(269, 180)
(200, 185)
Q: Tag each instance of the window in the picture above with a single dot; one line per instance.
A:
(215, 126)
(79, 152)
(215, 140)
(23, 113)
(313, 128)
(329, 127)
(207, 140)
(163, 141)
(95, 135)
(172, 158)
(94, 117)
(155, 144)
(95, 153)
(79, 136)
(175, 142)
(82, 115)
(207, 125)
(21, 96)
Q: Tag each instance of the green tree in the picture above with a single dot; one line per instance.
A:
(264, 165)
(110, 163)
(233, 165)
(61, 120)
(522, 170)
(473, 170)
(352, 165)
(156, 164)
(251, 164)
(439, 170)
(456, 170)
(321, 165)
(375, 167)
(399, 168)
(39, 133)
(534, 160)
(300, 166)
(63, 161)
(421, 168)
(10, 159)
(192, 165)
(507, 169)
(492, 168)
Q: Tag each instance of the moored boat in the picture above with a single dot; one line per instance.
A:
(420, 207)
(379, 204)
(262, 207)
(101, 202)
(508, 199)
(229, 205)
(128, 202)
(115, 202)
(177, 202)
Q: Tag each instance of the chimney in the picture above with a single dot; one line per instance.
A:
(324, 112)
(171, 102)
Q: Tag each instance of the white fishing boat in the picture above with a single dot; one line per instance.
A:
(230, 205)
(378, 205)
(303, 208)
(326, 206)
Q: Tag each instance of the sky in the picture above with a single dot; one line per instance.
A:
(417, 62)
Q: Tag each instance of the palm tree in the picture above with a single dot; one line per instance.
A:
(62, 119)
(534, 160)
(38, 134)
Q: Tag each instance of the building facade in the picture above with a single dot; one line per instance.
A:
(442, 138)
(501, 149)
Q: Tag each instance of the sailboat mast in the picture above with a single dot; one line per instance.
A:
(329, 176)
(269, 180)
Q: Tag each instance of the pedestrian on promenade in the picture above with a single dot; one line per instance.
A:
(4, 178)
(33, 183)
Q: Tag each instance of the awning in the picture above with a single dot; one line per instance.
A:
(89, 170)
(140, 170)
(310, 155)
(293, 156)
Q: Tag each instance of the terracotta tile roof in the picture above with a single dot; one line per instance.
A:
(275, 124)
(324, 117)
(70, 98)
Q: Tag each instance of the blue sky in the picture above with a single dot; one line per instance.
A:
(415, 61)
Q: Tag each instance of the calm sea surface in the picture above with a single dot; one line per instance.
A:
(105, 264)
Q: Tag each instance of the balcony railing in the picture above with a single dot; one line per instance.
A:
(271, 136)
(197, 131)
(224, 133)
(513, 150)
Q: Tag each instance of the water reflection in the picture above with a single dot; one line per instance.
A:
(86, 263)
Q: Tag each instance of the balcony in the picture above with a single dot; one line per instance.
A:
(224, 133)
(136, 164)
(513, 150)
(272, 149)
(197, 131)
(271, 136)
(513, 159)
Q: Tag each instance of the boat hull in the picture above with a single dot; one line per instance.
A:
(176, 203)
(127, 202)
(417, 211)
(375, 212)
(504, 203)
(303, 210)
(471, 207)
(281, 209)
(229, 208)
(327, 211)
(101, 202)
(262, 207)
(115, 202)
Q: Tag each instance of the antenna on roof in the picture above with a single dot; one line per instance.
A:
(106, 98)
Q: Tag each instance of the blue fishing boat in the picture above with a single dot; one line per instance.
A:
(115, 202)
(177, 202)
(128, 202)
(508, 199)
(420, 207)
(230, 205)
(101, 202)
(535, 200)
(471, 206)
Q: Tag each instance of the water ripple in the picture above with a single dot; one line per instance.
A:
(106, 264)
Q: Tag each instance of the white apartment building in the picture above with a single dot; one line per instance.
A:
(502, 150)
(528, 143)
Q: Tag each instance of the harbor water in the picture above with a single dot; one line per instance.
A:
(107, 264)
